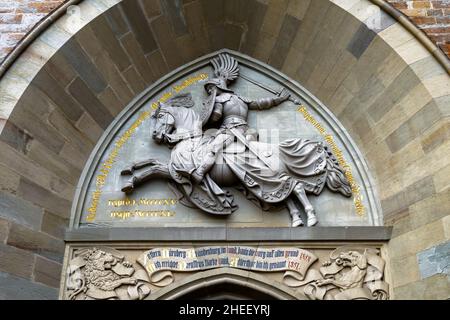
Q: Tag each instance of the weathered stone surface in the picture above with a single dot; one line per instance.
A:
(20, 211)
(37, 129)
(233, 36)
(60, 70)
(43, 197)
(110, 100)
(52, 89)
(9, 181)
(115, 80)
(434, 288)
(4, 229)
(255, 19)
(35, 242)
(70, 133)
(79, 90)
(440, 178)
(404, 270)
(158, 64)
(116, 21)
(138, 23)
(87, 71)
(110, 44)
(87, 40)
(174, 10)
(419, 239)
(413, 127)
(54, 225)
(440, 133)
(287, 34)
(167, 45)
(16, 261)
(137, 57)
(16, 288)
(411, 194)
(53, 162)
(135, 81)
(47, 272)
(435, 260)
(152, 8)
(399, 88)
(15, 137)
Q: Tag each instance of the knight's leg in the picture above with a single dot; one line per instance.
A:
(157, 171)
(294, 212)
(301, 195)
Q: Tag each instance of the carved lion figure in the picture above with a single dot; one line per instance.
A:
(97, 274)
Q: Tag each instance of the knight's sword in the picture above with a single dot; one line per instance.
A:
(245, 142)
(278, 93)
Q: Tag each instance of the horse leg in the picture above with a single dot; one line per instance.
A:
(294, 212)
(139, 165)
(156, 171)
(299, 191)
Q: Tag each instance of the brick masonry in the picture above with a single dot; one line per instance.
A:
(17, 17)
(431, 16)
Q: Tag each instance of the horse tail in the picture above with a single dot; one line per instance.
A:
(336, 179)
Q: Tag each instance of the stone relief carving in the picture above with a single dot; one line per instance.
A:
(217, 149)
(104, 274)
(349, 274)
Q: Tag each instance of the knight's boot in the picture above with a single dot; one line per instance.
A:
(199, 173)
(311, 218)
(128, 187)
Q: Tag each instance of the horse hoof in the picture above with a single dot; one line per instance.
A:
(128, 188)
(297, 223)
(127, 172)
(312, 221)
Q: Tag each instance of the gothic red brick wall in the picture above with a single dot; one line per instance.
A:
(432, 17)
(17, 17)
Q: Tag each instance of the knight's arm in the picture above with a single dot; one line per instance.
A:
(217, 112)
(265, 103)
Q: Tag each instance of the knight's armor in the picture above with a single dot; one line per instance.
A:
(233, 110)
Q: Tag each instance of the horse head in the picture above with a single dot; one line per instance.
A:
(176, 114)
(164, 122)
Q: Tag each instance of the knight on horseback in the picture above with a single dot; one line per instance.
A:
(223, 104)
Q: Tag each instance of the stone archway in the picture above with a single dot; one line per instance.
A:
(226, 282)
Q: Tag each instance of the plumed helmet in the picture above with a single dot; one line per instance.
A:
(225, 70)
(219, 83)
